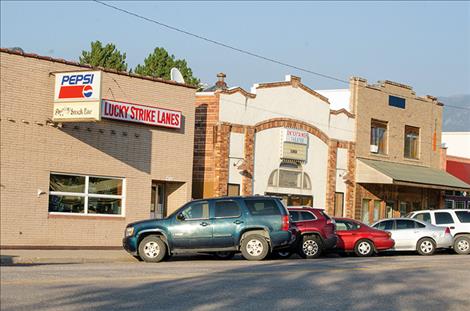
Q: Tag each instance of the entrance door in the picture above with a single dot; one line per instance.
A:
(158, 201)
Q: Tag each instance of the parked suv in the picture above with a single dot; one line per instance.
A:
(457, 220)
(255, 226)
(317, 232)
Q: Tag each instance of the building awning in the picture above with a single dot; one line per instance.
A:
(382, 172)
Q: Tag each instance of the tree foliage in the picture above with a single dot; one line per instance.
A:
(159, 63)
(104, 56)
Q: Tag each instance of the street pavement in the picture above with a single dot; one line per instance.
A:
(409, 282)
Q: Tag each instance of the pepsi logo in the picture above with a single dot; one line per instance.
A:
(87, 91)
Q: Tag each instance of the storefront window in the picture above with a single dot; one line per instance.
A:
(378, 137)
(376, 210)
(411, 142)
(85, 194)
(365, 211)
(449, 203)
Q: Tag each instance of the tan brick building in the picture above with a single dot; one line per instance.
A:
(78, 184)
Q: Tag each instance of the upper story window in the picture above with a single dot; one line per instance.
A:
(396, 102)
(411, 142)
(80, 194)
(289, 175)
(378, 136)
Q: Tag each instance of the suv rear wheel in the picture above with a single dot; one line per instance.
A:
(152, 249)
(311, 247)
(254, 247)
(462, 245)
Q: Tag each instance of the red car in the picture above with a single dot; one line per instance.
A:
(354, 236)
(316, 231)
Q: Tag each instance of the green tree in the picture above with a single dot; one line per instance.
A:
(159, 63)
(104, 56)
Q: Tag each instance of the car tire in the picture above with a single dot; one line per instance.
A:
(224, 255)
(364, 248)
(311, 247)
(462, 245)
(152, 249)
(426, 247)
(254, 247)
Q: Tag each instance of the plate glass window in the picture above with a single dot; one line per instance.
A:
(378, 137)
(85, 194)
(411, 142)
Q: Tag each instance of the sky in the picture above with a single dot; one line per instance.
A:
(422, 44)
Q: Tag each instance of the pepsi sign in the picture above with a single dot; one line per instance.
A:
(78, 86)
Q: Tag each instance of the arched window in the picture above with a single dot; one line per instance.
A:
(289, 175)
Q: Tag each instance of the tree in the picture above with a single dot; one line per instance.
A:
(107, 57)
(159, 63)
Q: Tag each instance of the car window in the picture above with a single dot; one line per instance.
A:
(426, 217)
(419, 225)
(225, 209)
(352, 225)
(294, 215)
(405, 224)
(443, 218)
(263, 207)
(196, 210)
(464, 216)
(341, 225)
(307, 216)
(325, 215)
(384, 225)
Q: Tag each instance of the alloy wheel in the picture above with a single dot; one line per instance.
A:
(463, 245)
(151, 249)
(254, 247)
(310, 247)
(426, 247)
(364, 248)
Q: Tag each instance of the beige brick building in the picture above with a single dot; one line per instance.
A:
(79, 184)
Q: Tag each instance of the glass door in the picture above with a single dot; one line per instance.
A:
(158, 201)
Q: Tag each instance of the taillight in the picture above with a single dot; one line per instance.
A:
(447, 230)
(285, 223)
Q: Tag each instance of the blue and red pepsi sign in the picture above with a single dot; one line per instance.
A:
(78, 86)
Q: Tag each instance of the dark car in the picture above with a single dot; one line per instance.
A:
(354, 236)
(254, 226)
(316, 231)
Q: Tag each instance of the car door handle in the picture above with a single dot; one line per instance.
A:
(452, 227)
(237, 222)
(204, 224)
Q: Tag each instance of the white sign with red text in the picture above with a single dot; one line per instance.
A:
(294, 136)
(140, 114)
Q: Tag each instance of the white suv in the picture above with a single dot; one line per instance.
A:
(457, 220)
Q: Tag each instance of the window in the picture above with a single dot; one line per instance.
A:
(378, 137)
(289, 175)
(196, 210)
(449, 203)
(262, 207)
(464, 216)
(307, 216)
(411, 142)
(389, 209)
(384, 225)
(443, 218)
(426, 217)
(85, 194)
(419, 225)
(396, 102)
(346, 225)
(341, 225)
(376, 210)
(459, 204)
(224, 209)
(290, 179)
(403, 208)
(405, 224)
(233, 189)
(339, 203)
(295, 216)
(365, 211)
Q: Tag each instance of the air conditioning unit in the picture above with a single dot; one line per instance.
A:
(374, 148)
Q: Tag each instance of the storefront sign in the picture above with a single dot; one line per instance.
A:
(293, 151)
(140, 114)
(294, 136)
(76, 112)
(77, 96)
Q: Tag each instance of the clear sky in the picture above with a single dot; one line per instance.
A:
(423, 44)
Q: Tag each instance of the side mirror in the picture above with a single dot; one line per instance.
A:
(180, 217)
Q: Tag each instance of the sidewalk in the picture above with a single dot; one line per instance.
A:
(23, 256)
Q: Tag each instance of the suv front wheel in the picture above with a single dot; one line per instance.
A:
(311, 247)
(152, 249)
(254, 247)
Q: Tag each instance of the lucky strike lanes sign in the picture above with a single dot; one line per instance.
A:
(140, 114)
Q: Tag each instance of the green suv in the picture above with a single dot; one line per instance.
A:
(254, 226)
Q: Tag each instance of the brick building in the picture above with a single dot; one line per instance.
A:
(77, 184)
(368, 152)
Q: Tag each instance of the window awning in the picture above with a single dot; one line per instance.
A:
(382, 172)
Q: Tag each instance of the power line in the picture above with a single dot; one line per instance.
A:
(243, 51)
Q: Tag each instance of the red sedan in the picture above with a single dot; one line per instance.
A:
(354, 236)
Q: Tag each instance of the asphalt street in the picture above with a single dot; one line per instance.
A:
(409, 282)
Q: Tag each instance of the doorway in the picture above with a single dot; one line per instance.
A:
(158, 201)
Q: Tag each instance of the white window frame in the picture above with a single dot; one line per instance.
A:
(87, 195)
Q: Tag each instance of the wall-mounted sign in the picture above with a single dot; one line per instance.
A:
(293, 151)
(294, 136)
(77, 96)
(140, 114)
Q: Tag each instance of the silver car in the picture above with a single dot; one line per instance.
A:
(415, 235)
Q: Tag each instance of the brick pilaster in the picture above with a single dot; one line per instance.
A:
(350, 181)
(331, 177)
(247, 179)
(221, 153)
